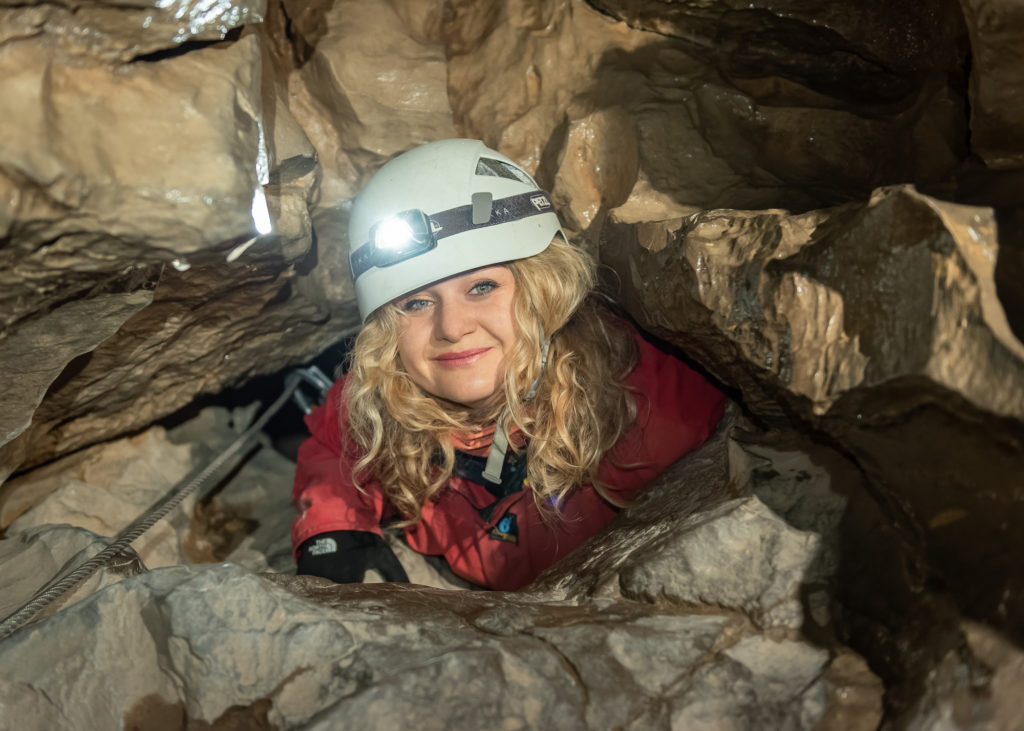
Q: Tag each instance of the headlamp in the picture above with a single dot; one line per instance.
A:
(394, 234)
(394, 239)
(410, 233)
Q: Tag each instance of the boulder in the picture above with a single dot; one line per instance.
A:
(33, 557)
(706, 623)
(104, 490)
(208, 643)
(878, 328)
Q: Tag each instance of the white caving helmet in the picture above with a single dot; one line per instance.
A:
(439, 210)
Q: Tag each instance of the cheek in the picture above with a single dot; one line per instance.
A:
(505, 326)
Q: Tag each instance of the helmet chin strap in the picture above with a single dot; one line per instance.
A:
(499, 446)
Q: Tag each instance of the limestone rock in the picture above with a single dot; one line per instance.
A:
(32, 558)
(599, 164)
(74, 127)
(686, 542)
(377, 655)
(108, 489)
(384, 656)
(35, 354)
(22, 701)
(721, 115)
(926, 307)
(740, 555)
(149, 191)
(699, 482)
(246, 517)
(123, 30)
(62, 514)
(1005, 662)
(842, 51)
(131, 281)
(997, 116)
(879, 327)
(855, 695)
(371, 82)
(801, 491)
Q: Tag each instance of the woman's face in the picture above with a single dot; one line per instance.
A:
(455, 335)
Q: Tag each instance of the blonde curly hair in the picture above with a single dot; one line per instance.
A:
(580, 409)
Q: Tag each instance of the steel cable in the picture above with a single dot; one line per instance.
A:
(58, 586)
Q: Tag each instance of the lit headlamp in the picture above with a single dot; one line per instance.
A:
(394, 239)
(411, 233)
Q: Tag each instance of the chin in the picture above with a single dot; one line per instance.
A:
(474, 402)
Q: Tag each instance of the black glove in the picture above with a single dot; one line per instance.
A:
(344, 556)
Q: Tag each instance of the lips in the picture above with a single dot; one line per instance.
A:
(460, 358)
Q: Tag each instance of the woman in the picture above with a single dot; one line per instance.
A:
(492, 407)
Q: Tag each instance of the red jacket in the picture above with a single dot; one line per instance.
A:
(676, 412)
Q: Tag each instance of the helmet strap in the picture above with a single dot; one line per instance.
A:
(496, 455)
(499, 445)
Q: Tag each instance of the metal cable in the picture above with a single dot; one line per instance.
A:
(57, 587)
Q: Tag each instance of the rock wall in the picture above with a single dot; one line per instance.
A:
(820, 203)
(676, 619)
(144, 140)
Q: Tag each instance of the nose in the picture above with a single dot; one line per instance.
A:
(453, 320)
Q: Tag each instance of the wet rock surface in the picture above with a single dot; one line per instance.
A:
(878, 326)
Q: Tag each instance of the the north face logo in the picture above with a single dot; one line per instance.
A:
(322, 546)
(506, 530)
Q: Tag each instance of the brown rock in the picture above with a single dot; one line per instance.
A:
(877, 326)
(35, 354)
(1004, 662)
(104, 490)
(598, 169)
(922, 303)
(120, 31)
(997, 75)
(839, 50)
(371, 83)
(88, 140)
(88, 219)
(855, 696)
(727, 113)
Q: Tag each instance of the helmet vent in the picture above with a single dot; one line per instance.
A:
(501, 169)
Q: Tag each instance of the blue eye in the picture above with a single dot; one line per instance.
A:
(485, 287)
(414, 304)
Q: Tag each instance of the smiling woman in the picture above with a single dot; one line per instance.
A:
(493, 407)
